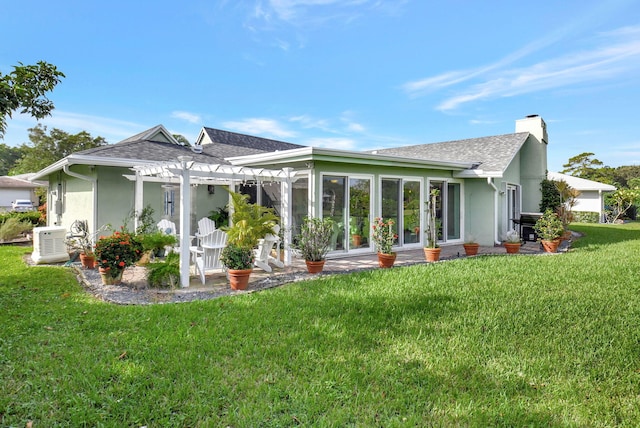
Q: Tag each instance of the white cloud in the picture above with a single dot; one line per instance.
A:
(260, 127)
(307, 121)
(189, 117)
(332, 143)
(618, 53)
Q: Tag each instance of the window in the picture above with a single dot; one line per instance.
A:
(448, 210)
(347, 200)
(401, 202)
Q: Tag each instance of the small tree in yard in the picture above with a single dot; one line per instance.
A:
(620, 202)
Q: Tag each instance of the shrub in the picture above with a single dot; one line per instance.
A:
(586, 217)
(165, 273)
(14, 227)
(117, 251)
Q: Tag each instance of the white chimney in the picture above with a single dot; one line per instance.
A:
(534, 125)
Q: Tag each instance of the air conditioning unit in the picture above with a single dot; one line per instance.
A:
(48, 245)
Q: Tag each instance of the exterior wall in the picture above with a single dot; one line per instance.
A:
(70, 198)
(479, 212)
(533, 169)
(115, 197)
(589, 200)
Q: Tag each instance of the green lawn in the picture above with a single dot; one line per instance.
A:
(485, 341)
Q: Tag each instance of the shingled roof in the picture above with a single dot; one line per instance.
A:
(493, 153)
(227, 144)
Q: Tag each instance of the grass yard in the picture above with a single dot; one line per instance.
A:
(485, 341)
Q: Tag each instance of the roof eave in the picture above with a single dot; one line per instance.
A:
(344, 156)
(87, 160)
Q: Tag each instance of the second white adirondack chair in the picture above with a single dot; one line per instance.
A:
(205, 225)
(263, 255)
(207, 256)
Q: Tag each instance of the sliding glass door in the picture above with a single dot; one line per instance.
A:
(448, 209)
(401, 203)
(347, 200)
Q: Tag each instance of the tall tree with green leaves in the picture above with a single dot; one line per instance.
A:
(582, 165)
(25, 89)
(8, 158)
(46, 149)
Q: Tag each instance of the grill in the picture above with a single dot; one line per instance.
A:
(526, 223)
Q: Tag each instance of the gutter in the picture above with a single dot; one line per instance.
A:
(94, 194)
(496, 192)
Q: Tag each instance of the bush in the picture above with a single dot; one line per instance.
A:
(586, 217)
(167, 273)
(32, 217)
(14, 227)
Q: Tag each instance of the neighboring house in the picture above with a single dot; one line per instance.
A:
(592, 193)
(484, 183)
(16, 187)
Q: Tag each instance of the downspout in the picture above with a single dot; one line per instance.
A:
(496, 193)
(94, 183)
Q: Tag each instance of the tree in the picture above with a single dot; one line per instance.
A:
(581, 165)
(8, 158)
(619, 203)
(181, 139)
(47, 149)
(25, 88)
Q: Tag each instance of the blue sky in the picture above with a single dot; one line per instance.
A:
(348, 74)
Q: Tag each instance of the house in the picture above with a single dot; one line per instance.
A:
(484, 183)
(17, 187)
(592, 194)
(95, 184)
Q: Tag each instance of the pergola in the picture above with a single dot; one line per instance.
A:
(186, 172)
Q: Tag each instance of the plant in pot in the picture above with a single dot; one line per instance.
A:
(115, 253)
(155, 243)
(79, 239)
(249, 224)
(167, 273)
(470, 245)
(512, 242)
(239, 263)
(549, 229)
(568, 199)
(384, 237)
(432, 249)
(314, 242)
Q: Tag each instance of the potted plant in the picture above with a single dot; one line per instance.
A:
(239, 262)
(384, 238)
(115, 253)
(470, 245)
(79, 239)
(156, 242)
(549, 229)
(250, 223)
(314, 242)
(432, 249)
(355, 230)
(512, 242)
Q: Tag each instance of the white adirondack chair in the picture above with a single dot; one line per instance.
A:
(169, 228)
(205, 225)
(263, 255)
(207, 255)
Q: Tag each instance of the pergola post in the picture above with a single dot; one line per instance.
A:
(185, 216)
(138, 200)
(287, 212)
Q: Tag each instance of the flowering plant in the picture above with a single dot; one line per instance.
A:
(117, 251)
(383, 235)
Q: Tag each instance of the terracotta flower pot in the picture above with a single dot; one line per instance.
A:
(87, 261)
(512, 247)
(239, 279)
(314, 267)
(356, 240)
(386, 260)
(471, 249)
(432, 254)
(108, 278)
(551, 246)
